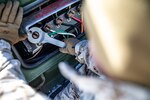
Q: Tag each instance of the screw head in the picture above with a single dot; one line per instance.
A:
(35, 35)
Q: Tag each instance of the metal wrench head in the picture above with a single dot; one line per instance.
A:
(36, 35)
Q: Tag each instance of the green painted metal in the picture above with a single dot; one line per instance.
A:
(49, 68)
(22, 2)
(51, 64)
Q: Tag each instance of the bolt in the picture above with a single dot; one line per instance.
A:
(35, 35)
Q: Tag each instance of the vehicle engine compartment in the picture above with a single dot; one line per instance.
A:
(51, 17)
(59, 19)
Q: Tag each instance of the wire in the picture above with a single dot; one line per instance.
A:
(52, 33)
(66, 24)
(80, 21)
(42, 83)
(76, 30)
(76, 19)
(35, 53)
(61, 33)
(73, 26)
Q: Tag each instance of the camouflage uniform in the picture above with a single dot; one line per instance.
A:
(12, 82)
(13, 85)
(91, 87)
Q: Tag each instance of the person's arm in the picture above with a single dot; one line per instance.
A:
(12, 82)
(9, 67)
(10, 20)
(94, 88)
(81, 50)
(83, 55)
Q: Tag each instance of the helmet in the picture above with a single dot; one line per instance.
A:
(120, 31)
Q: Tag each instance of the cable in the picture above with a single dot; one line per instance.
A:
(76, 19)
(76, 30)
(35, 54)
(61, 33)
(66, 24)
(42, 83)
(52, 33)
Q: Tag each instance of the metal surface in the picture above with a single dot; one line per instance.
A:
(44, 73)
(23, 3)
(33, 4)
(37, 36)
(46, 12)
(32, 54)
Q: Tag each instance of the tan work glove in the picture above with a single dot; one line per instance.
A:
(70, 46)
(10, 19)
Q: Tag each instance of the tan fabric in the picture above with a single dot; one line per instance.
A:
(10, 20)
(70, 45)
(120, 31)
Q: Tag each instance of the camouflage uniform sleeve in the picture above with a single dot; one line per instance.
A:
(94, 88)
(83, 56)
(12, 81)
(72, 92)
(9, 67)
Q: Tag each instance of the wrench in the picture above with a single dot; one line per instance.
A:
(36, 35)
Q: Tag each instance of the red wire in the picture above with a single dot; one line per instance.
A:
(76, 19)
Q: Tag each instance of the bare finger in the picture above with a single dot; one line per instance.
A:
(6, 11)
(19, 16)
(13, 12)
(2, 5)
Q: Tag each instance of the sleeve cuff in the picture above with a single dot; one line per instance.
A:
(4, 45)
(79, 46)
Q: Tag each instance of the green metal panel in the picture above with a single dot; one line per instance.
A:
(22, 2)
(50, 65)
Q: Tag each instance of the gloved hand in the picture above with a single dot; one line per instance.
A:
(70, 46)
(10, 19)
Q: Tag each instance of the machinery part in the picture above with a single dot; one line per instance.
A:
(45, 16)
(46, 12)
(40, 61)
(58, 21)
(42, 83)
(36, 35)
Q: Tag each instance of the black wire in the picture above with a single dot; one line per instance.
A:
(66, 24)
